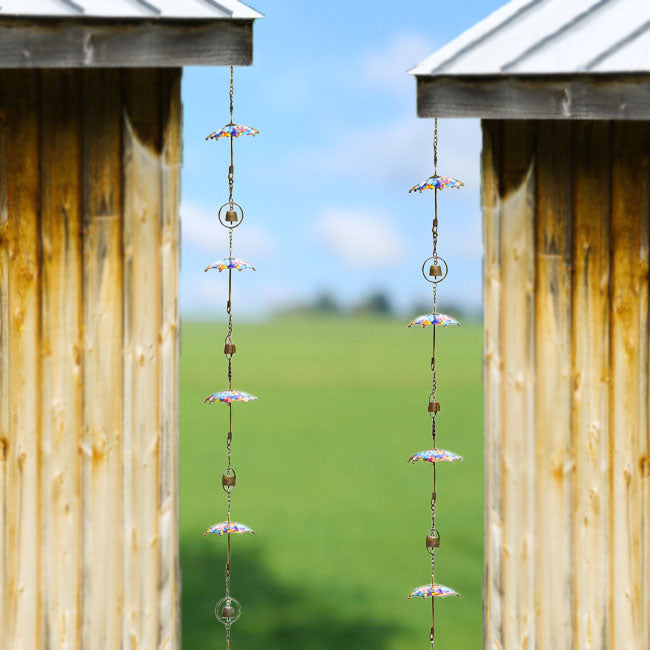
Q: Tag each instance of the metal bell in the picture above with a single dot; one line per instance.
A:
(433, 542)
(228, 611)
(229, 348)
(434, 406)
(435, 271)
(228, 480)
(232, 216)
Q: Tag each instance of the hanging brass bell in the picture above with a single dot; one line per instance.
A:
(228, 480)
(229, 348)
(228, 611)
(434, 406)
(433, 542)
(232, 216)
(435, 271)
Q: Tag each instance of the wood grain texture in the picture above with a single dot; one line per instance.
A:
(24, 462)
(89, 255)
(102, 315)
(550, 97)
(142, 239)
(84, 43)
(170, 349)
(493, 619)
(567, 518)
(62, 357)
(590, 382)
(628, 415)
(554, 461)
(517, 351)
(5, 420)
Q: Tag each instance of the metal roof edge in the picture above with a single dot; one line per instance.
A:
(233, 10)
(471, 36)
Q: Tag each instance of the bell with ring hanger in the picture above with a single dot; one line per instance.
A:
(435, 271)
(232, 216)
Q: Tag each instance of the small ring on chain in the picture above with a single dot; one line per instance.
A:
(229, 602)
(435, 259)
(229, 472)
(230, 205)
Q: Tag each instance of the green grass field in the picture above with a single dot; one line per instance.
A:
(322, 476)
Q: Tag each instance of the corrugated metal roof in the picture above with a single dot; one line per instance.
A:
(132, 9)
(532, 37)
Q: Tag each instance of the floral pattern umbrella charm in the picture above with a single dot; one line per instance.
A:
(429, 591)
(230, 263)
(436, 182)
(229, 396)
(435, 456)
(228, 528)
(232, 131)
(434, 319)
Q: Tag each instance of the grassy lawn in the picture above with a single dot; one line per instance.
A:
(322, 477)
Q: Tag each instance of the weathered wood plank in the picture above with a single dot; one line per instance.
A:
(61, 349)
(492, 287)
(142, 363)
(23, 631)
(170, 348)
(102, 590)
(591, 376)
(553, 436)
(591, 97)
(643, 515)
(82, 43)
(5, 421)
(517, 347)
(88, 359)
(629, 267)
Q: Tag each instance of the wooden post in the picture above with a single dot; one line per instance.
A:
(89, 178)
(567, 230)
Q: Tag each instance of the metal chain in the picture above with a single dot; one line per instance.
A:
(434, 380)
(231, 169)
(229, 351)
(435, 146)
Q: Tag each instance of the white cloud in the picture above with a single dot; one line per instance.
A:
(201, 232)
(400, 153)
(358, 237)
(388, 67)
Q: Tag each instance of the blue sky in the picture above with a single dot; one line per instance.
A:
(325, 184)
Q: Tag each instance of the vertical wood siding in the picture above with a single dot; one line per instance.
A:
(89, 178)
(567, 233)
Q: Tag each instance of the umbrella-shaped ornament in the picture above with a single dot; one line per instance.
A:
(232, 131)
(229, 396)
(437, 183)
(228, 528)
(434, 319)
(230, 263)
(434, 456)
(429, 591)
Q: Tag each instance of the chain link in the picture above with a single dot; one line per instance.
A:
(435, 146)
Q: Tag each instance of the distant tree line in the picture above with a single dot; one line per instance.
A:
(378, 303)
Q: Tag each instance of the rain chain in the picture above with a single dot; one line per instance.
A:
(228, 608)
(435, 274)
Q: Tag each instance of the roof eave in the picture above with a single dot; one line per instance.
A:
(103, 43)
(619, 96)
